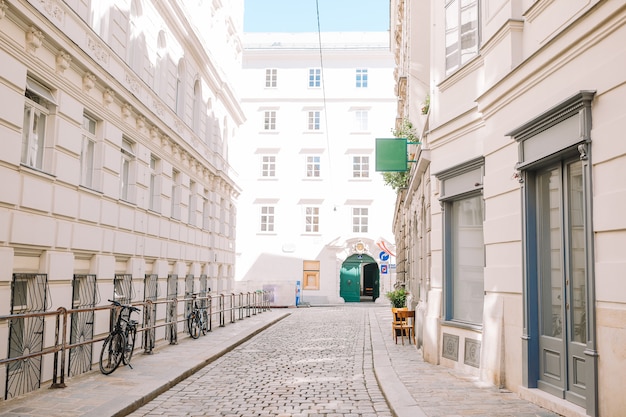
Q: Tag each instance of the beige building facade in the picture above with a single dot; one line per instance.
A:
(115, 120)
(510, 229)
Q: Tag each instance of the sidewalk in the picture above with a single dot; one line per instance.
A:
(95, 395)
(415, 388)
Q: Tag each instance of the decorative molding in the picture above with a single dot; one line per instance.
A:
(155, 135)
(89, 80)
(107, 96)
(98, 50)
(63, 61)
(126, 110)
(536, 9)
(54, 9)
(141, 123)
(3, 9)
(472, 353)
(34, 39)
(450, 347)
(133, 84)
(158, 107)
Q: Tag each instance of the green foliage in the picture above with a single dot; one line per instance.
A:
(406, 130)
(396, 180)
(397, 297)
(425, 105)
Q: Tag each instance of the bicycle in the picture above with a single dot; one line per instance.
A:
(119, 345)
(197, 320)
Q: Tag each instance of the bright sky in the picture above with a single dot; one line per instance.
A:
(301, 15)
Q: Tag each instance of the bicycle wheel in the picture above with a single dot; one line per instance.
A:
(112, 352)
(193, 325)
(205, 322)
(130, 344)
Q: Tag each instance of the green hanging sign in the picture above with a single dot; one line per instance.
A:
(391, 154)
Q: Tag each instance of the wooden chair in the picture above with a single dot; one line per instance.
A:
(406, 321)
(396, 322)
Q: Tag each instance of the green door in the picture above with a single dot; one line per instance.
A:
(350, 282)
(359, 276)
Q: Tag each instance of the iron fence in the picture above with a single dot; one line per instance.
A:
(235, 306)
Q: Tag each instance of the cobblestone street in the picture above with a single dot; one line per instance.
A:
(316, 362)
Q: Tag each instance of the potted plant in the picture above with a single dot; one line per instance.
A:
(397, 297)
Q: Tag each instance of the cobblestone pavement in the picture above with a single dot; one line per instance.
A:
(316, 362)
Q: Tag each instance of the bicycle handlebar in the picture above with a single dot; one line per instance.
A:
(128, 306)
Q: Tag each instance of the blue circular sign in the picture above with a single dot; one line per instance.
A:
(384, 256)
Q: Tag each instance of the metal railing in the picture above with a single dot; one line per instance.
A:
(235, 306)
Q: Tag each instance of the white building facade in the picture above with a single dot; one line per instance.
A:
(306, 165)
(510, 230)
(115, 121)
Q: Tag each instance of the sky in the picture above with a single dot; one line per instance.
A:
(301, 15)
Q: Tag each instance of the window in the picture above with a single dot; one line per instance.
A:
(312, 219)
(191, 204)
(314, 120)
(181, 80)
(176, 195)
(361, 78)
(360, 120)
(313, 166)
(315, 77)
(155, 184)
(127, 180)
(206, 211)
(461, 33)
(36, 111)
(123, 288)
(270, 77)
(269, 121)
(28, 295)
(360, 167)
(267, 219)
(87, 152)
(197, 107)
(464, 252)
(467, 259)
(359, 219)
(268, 166)
(20, 293)
(311, 275)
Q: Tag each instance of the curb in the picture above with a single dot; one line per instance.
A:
(398, 398)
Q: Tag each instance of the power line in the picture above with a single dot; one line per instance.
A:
(319, 37)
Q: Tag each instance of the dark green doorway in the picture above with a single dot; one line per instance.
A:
(359, 279)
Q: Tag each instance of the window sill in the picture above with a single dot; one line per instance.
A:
(90, 190)
(36, 171)
(462, 325)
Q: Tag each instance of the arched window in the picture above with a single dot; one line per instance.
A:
(197, 107)
(180, 88)
(135, 45)
(161, 64)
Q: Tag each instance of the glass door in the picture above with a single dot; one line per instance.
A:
(561, 278)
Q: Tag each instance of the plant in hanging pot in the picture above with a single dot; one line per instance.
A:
(397, 297)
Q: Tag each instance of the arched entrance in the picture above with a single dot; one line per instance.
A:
(359, 277)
